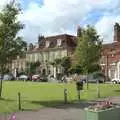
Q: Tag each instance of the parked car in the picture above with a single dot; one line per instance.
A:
(50, 78)
(35, 77)
(83, 80)
(23, 77)
(8, 77)
(0, 77)
(115, 80)
(95, 77)
(44, 78)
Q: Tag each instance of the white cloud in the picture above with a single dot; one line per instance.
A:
(3, 2)
(105, 27)
(54, 17)
(62, 16)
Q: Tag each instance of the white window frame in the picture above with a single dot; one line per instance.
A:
(47, 44)
(59, 42)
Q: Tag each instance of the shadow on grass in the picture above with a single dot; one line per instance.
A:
(30, 109)
(116, 90)
(59, 104)
(4, 99)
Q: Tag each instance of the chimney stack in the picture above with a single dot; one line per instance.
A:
(79, 31)
(117, 32)
(40, 37)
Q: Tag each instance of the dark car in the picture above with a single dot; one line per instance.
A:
(96, 77)
(44, 78)
(83, 80)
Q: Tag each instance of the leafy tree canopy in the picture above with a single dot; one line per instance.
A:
(88, 50)
(11, 45)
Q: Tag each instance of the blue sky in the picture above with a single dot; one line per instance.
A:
(25, 3)
(51, 17)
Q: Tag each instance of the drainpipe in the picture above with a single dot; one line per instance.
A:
(118, 69)
(106, 67)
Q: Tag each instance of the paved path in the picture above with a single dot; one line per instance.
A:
(50, 114)
(65, 112)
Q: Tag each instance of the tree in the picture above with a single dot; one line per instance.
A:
(57, 61)
(75, 68)
(57, 64)
(11, 45)
(32, 67)
(66, 64)
(88, 50)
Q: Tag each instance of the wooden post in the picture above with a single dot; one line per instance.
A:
(19, 101)
(98, 89)
(65, 95)
(87, 81)
(78, 94)
(1, 85)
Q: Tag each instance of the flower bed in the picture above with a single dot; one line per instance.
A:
(103, 111)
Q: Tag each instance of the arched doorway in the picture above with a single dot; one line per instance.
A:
(44, 72)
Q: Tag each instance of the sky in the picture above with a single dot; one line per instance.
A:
(52, 17)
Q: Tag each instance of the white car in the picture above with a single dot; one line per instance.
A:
(115, 80)
(23, 77)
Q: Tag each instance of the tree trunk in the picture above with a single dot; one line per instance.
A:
(87, 83)
(87, 80)
(1, 81)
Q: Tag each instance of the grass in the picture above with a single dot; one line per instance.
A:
(35, 95)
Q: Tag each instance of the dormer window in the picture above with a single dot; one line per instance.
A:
(59, 42)
(47, 44)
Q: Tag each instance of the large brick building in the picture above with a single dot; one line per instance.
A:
(47, 49)
(110, 60)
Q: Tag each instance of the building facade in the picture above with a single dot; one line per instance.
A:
(110, 60)
(48, 49)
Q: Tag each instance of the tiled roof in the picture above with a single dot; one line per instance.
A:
(66, 41)
(115, 46)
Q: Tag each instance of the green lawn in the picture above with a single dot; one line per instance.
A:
(35, 94)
